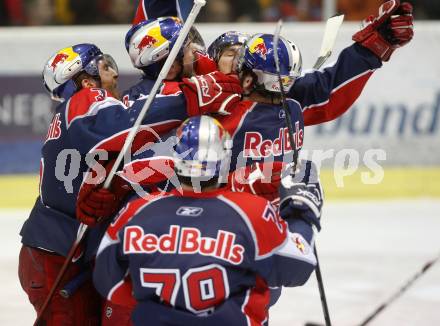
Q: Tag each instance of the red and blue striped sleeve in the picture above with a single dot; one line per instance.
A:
(326, 94)
(104, 124)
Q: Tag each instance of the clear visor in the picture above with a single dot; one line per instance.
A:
(104, 61)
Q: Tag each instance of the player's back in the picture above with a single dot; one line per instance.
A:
(259, 131)
(197, 250)
(52, 224)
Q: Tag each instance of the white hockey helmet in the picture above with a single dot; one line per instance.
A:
(64, 65)
(150, 41)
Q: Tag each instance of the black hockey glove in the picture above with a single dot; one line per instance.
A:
(301, 196)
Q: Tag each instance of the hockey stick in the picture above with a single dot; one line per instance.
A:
(198, 4)
(295, 161)
(396, 295)
(330, 32)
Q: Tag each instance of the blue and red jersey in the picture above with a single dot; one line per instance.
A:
(213, 254)
(259, 132)
(89, 122)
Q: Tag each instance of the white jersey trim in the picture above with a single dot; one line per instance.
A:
(116, 286)
(291, 250)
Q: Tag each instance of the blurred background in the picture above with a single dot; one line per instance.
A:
(84, 12)
(375, 235)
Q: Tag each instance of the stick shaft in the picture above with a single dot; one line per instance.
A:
(295, 161)
(198, 4)
(399, 292)
(321, 289)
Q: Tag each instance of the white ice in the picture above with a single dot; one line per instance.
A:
(367, 251)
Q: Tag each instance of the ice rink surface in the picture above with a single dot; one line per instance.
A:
(367, 251)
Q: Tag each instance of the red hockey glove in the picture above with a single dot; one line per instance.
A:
(389, 30)
(211, 93)
(95, 204)
(203, 64)
(261, 179)
(149, 171)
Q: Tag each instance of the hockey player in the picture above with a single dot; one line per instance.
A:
(148, 44)
(257, 123)
(326, 95)
(323, 95)
(88, 121)
(207, 258)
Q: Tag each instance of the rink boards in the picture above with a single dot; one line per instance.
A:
(20, 191)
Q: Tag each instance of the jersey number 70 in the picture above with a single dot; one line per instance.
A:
(203, 287)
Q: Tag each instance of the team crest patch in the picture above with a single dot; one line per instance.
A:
(189, 211)
(299, 243)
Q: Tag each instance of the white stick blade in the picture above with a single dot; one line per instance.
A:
(330, 33)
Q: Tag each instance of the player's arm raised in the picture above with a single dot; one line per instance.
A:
(325, 95)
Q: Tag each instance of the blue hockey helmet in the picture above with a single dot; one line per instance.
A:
(203, 148)
(258, 56)
(67, 63)
(225, 40)
(150, 41)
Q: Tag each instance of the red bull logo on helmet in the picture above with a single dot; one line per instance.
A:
(66, 54)
(59, 58)
(147, 42)
(259, 47)
(152, 38)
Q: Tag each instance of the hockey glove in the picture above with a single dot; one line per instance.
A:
(261, 179)
(203, 64)
(95, 204)
(389, 30)
(146, 172)
(211, 93)
(301, 196)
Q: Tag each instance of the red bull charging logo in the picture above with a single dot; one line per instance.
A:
(63, 55)
(259, 47)
(59, 58)
(147, 42)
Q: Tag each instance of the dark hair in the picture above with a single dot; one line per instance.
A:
(81, 76)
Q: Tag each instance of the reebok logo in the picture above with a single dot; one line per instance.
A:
(189, 211)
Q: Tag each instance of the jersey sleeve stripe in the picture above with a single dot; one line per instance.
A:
(145, 134)
(256, 303)
(340, 100)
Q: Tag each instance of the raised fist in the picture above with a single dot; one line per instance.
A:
(389, 30)
(211, 93)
